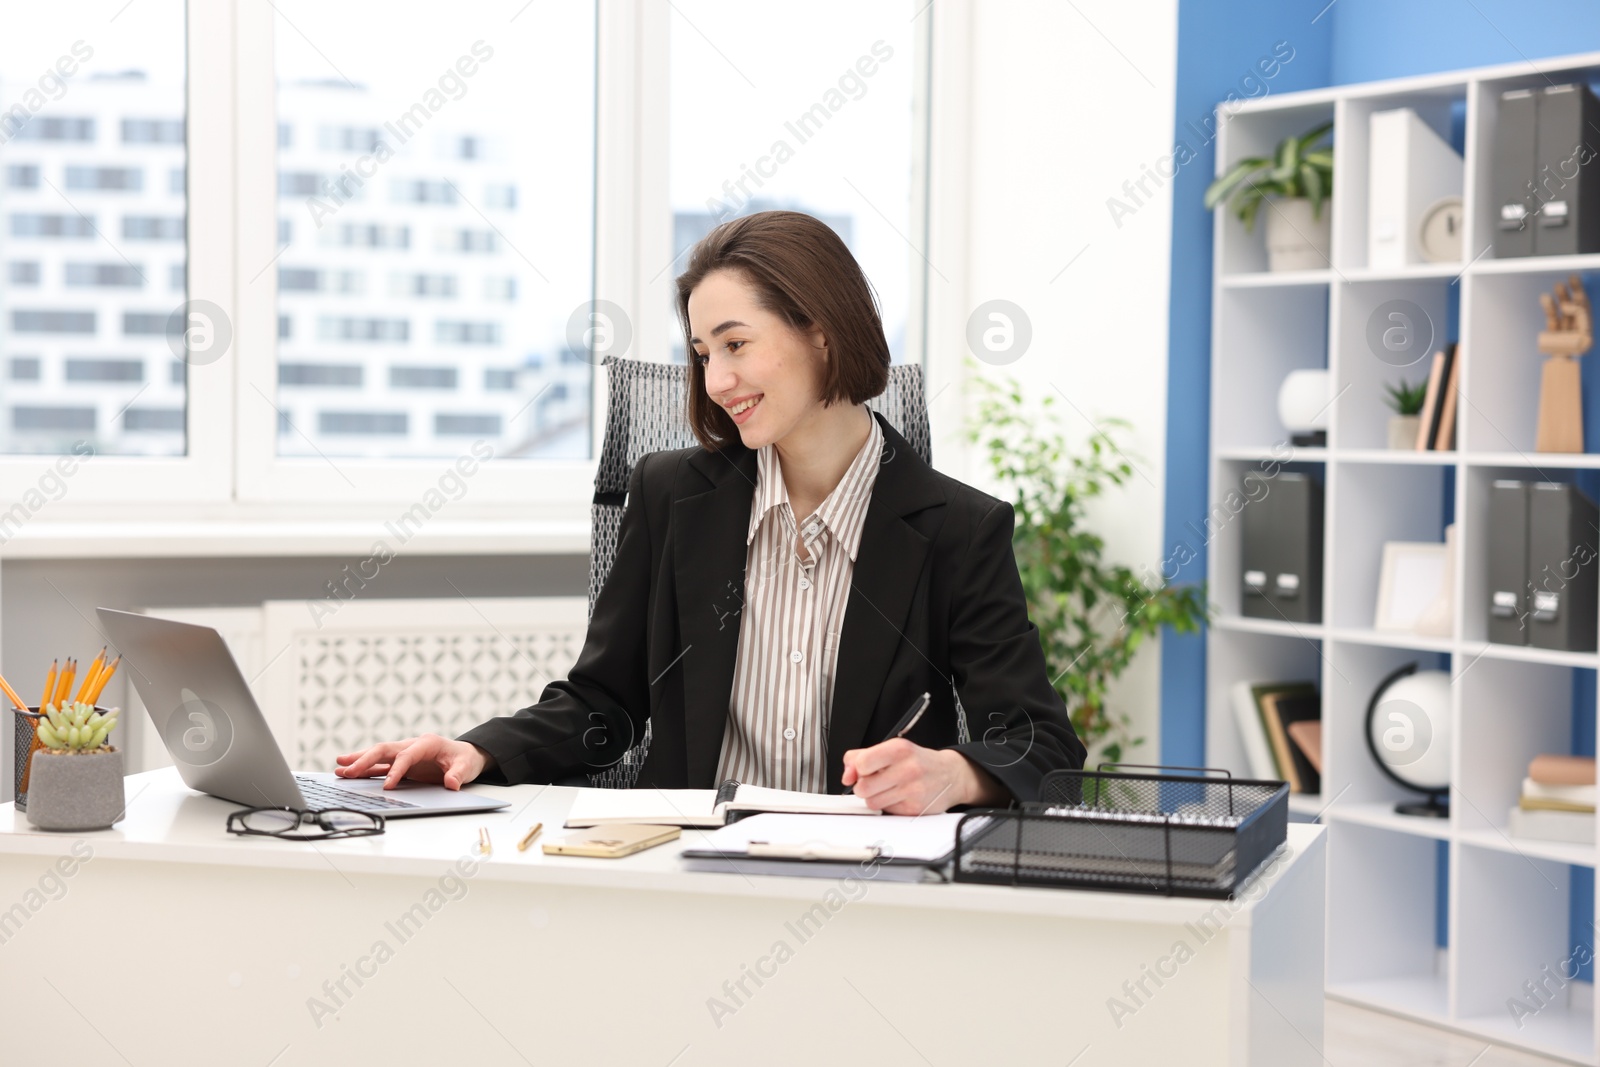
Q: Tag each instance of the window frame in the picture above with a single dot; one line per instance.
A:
(203, 475)
(232, 469)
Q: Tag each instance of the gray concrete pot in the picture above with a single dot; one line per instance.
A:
(75, 792)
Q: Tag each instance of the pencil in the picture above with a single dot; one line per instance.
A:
(96, 665)
(64, 683)
(49, 685)
(12, 693)
(100, 682)
(522, 846)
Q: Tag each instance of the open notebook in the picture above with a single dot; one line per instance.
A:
(703, 807)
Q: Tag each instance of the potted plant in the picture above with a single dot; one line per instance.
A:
(1092, 615)
(1295, 184)
(1406, 400)
(75, 779)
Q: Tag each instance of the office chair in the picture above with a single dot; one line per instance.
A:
(647, 414)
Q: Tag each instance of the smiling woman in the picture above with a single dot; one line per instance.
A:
(863, 580)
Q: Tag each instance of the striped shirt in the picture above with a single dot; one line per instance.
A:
(777, 733)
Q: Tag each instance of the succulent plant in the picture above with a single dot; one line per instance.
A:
(75, 727)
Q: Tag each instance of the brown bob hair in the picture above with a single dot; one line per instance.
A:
(803, 273)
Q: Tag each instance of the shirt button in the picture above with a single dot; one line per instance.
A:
(811, 531)
(805, 583)
(788, 733)
(796, 657)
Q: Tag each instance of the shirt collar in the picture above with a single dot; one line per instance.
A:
(844, 512)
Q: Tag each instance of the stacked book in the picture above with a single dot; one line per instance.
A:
(1558, 800)
(1280, 725)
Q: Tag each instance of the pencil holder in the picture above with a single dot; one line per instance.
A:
(24, 730)
(24, 742)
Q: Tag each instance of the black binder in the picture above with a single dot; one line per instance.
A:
(1562, 567)
(1281, 536)
(1508, 562)
(1514, 150)
(1566, 179)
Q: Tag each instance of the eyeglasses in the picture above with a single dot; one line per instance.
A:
(286, 822)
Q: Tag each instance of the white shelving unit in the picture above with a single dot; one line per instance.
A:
(1508, 910)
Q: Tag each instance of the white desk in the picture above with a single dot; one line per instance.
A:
(205, 948)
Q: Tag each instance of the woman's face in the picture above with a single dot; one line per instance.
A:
(763, 372)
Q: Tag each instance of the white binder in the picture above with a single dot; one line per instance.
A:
(1410, 168)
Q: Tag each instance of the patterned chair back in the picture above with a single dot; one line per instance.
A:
(648, 413)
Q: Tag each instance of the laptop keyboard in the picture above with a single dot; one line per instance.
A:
(321, 796)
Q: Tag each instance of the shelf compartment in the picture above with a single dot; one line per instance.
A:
(1256, 656)
(1383, 898)
(1435, 105)
(1386, 332)
(1369, 506)
(1362, 790)
(1242, 133)
(1499, 949)
(1265, 332)
(1509, 712)
(1476, 507)
(1501, 380)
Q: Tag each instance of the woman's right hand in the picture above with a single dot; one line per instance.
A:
(429, 758)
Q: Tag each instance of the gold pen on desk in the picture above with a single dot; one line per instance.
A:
(485, 847)
(527, 839)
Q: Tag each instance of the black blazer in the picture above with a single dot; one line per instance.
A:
(935, 598)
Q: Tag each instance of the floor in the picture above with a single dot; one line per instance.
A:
(1357, 1037)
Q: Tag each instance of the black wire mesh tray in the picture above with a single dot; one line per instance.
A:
(1180, 831)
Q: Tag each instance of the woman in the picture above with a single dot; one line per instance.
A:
(784, 592)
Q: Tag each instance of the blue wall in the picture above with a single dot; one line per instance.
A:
(1220, 41)
(1348, 41)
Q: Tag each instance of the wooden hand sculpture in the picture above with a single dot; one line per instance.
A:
(1568, 333)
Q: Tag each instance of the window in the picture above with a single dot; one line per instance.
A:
(422, 377)
(22, 273)
(29, 225)
(449, 178)
(383, 331)
(411, 191)
(24, 368)
(500, 197)
(466, 425)
(22, 176)
(145, 420)
(29, 417)
(47, 129)
(152, 131)
(330, 375)
(104, 276)
(437, 285)
(152, 228)
(74, 322)
(466, 333)
(110, 179)
(146, 324)
(826, 128)
(362, 422)
(105, 370)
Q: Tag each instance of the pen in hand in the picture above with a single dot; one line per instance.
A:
(909, 719)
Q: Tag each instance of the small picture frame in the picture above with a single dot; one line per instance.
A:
(1410, 582)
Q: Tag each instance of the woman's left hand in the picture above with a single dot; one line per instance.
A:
(899, 777)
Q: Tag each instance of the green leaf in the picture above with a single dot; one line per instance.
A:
(1219, 189)
(1312, 136)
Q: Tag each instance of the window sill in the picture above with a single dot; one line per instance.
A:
(214, 538)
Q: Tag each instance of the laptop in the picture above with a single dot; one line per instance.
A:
(202, 708)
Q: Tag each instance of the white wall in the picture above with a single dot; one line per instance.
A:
(1069, 102)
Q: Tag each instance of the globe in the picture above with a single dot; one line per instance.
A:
(1408, 734)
